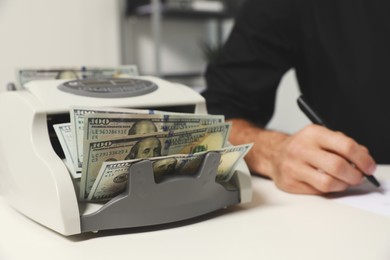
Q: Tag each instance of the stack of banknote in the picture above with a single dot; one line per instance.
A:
(25, 75)
(101, 144)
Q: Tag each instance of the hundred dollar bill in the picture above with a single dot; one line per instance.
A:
(103, 126)
(78, 115)
(113, 176)
(64, 135)
(187, 141)
(24, 75)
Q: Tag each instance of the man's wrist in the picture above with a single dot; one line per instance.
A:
(266, 149)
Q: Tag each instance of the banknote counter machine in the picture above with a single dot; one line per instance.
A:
(36, 182)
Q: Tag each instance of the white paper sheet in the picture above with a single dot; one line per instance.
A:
(367, 197)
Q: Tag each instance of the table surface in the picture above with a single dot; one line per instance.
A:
(275, 225)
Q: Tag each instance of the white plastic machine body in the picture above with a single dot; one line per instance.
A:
(34, 179)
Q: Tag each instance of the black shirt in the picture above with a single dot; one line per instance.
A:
(340, 50)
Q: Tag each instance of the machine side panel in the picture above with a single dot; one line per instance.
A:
(35, 180)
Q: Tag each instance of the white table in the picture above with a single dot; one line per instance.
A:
(275, 225)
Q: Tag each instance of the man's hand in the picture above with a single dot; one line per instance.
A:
(315, 160)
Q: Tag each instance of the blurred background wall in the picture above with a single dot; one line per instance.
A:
(57, 33)
(46, 33)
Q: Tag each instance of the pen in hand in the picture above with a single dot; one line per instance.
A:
(316, 119)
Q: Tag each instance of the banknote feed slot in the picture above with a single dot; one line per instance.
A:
(48, 193)
(53, 119)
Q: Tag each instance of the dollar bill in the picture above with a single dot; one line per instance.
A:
(103, 126)
(78, 115)
(113, 176)
(24, 75)
(187, 141)
(64, 135)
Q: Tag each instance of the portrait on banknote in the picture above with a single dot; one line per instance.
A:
(142, 127)
(145, 148)
(164, 168)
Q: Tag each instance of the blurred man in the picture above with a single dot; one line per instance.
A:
(339, 51)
